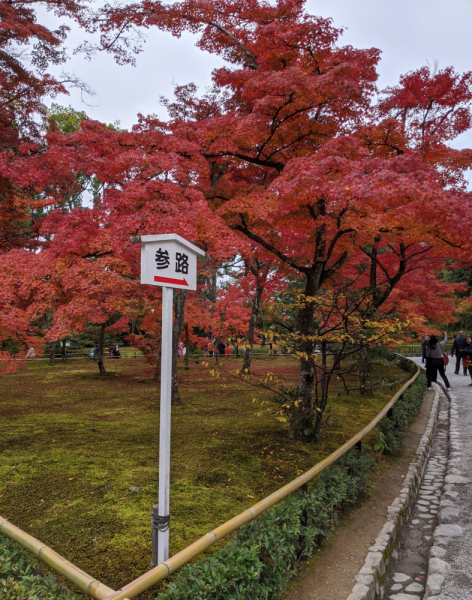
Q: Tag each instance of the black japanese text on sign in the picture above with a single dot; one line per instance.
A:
(169, 260)
(163, 261)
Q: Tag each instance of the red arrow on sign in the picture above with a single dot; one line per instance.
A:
(169, 280)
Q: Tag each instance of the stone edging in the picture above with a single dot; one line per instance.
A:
(438, 568)
(383, 555)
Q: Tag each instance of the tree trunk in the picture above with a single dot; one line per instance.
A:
(322, 398)
(179, 310)
(101, 343)
(364, 372)
(51, 354)
(301, 424)
(63, 351)
(187, 347)
(256, 305)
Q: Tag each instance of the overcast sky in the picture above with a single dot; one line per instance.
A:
(409, 33)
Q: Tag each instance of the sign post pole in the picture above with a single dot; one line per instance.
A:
(168, 261)
(164, 429)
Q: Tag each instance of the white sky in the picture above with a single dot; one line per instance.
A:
(410, 33)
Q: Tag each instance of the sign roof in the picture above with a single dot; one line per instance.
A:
(170, 237)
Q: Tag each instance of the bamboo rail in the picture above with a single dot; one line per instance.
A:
(97, 590)
(85, 582)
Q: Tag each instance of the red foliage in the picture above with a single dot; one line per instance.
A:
(286, 161)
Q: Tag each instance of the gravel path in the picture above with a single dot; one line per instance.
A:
(409, 579)
(435, 559)
(456, 550)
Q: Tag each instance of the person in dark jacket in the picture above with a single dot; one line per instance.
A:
(221, 348)
(457, 347)
(435, 361)
(467, 356)
(115, 353)
(424, 343)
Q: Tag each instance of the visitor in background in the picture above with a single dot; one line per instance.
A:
(457, 347)
(181, 349)
(424, 343)
(221, 348)
(228, 351)
(467, 357)
(435, 361)
(211, 348)
(96, 351)
(115, 353)
(454, 348)
(31, 354)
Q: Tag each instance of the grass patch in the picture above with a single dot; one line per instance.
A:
(72, 443)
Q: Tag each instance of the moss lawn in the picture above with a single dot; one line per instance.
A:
(72, 443)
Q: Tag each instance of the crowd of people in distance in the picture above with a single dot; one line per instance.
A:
(462, 349)
(436, 359)
(213, 348)
(113, 349)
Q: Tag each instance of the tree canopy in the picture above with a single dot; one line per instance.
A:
(293, 165)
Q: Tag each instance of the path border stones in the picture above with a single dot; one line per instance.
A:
(382, 556)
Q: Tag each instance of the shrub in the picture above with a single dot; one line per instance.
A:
(259, 562)
(19, 580)
(393, 428)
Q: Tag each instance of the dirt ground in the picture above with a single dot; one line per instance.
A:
(330, 574)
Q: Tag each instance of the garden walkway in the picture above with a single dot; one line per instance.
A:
(441, 525)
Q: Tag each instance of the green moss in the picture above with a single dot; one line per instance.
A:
(72, 443)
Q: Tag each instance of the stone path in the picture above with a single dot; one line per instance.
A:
(453, 537)
(435, 557)
(409, 579)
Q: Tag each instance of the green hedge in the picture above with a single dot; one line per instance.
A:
(257, 564)
(393, 428)
(19, 580)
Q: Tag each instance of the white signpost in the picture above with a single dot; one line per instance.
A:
(170, 262)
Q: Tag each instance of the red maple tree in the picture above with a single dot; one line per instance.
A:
(296, 160)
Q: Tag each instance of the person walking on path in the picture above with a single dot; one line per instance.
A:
(228, 351)
(435, 361)
(424, 343)
(467, 357)
(457, 347)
